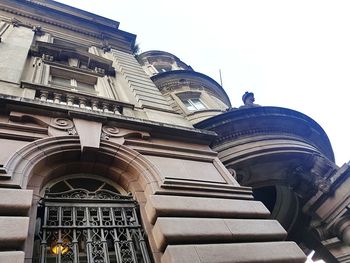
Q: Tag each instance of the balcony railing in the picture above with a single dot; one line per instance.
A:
(76, 99)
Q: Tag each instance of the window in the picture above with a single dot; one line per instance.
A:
(72, 83)
(59, 81)
(88, 220)
(72, 80)
(194, 104)
(162, 68)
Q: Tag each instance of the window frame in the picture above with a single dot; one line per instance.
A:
(193, 104)
(74, 77)
(189, 96)
(76, 222)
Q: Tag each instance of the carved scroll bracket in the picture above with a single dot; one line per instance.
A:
(111, 133)
(60, 124)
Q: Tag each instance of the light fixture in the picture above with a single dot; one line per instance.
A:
(62, 247)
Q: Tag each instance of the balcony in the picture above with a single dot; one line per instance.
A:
(63, 97)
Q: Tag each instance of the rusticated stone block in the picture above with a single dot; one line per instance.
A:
(162, 205)
(12, 256)
(15, 201)
(169, 230)
(14, 231)
(287, 252)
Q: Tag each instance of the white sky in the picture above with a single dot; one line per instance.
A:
(293, 54)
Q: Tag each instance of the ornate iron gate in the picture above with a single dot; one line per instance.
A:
(79, 226)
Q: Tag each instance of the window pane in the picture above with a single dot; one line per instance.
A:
(60, 81)
(197, 104)
(162, 68)
(189, 105)
(85, 86)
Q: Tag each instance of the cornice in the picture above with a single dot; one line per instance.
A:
(72, 11)
(263, 121)
(160, 129)
(110, 33)
(47, 21)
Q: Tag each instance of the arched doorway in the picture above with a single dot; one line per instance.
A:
(84, 218)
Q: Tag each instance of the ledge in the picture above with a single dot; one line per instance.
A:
(246, 123)
(163, 130)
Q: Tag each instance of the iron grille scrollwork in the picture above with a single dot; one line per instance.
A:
(90, 231)
(80, 194)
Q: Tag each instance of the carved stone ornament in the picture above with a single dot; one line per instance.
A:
(15, 22)
(72, 131)
(104, 136)
(248, 100)
(233, 173)
(47, 57)
(109, 131)
(37, 30)
(106, 47)
(62, 124)
(299, 179)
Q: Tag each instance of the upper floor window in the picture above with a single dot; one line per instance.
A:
(191, 100)
(194, 104)
(70, 55)
(72, 83)
(163, 68)
(72, 80)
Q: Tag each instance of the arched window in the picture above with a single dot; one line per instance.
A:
(87, 220)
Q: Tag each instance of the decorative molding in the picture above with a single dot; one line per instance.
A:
(25, 161)
(242, 124)
(121, 41)
(3, 173)
(23, 131)
(44, 20)
(109, 132)
(183, 133)
(185, 187)
(37, 30)
(72, 131)
(62, 124)
(258, 131)
(52, 53)
(162, 150)
(79, 194)
(313, 180)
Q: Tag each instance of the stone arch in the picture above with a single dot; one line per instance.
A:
(46, 159)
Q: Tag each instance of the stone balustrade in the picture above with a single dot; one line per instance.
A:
(74, 99)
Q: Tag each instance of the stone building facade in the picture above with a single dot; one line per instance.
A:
(109, 158)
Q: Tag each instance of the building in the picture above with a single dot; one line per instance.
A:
(109, 158)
